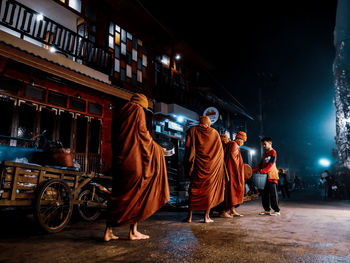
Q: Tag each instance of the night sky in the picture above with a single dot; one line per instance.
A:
(288, 42)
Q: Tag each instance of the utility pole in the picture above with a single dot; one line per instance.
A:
(261, 131)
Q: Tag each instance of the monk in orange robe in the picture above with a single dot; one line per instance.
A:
(235, 187)
(204, 163)
(140, 182)
(224, 140)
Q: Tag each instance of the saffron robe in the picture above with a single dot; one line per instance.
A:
(234, 192)
(140, 182)
(204, 163)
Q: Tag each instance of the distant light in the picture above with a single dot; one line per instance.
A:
(52, 49)
(39, 17)
(252, 152)
(165, 60)
(324, 162)
(178, 57)
(180, 119)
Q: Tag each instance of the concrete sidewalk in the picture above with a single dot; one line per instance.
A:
(306, 231)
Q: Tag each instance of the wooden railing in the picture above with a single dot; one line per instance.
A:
(27, 22)
(89, 162)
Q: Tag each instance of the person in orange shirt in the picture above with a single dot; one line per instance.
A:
(268, 166)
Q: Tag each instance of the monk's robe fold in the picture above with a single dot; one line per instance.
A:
(204, 163)
(140, 182)
(234, 191)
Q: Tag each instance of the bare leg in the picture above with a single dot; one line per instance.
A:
(189, 216)
(234, 212)
(134, 234)
(207, 219)
(226, 214)
(109, 234)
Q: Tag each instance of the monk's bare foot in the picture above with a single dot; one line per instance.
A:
(188, 219)
(137, 236)
(109, 235)
(235, 213)
(225, 215)
(208, 220)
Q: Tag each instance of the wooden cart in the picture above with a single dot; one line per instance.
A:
(51, 192)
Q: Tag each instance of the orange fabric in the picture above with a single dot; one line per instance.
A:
(224, 139)
(241, 135)
(140, 182)
(140, 99)
(204, 120)
(234, 192)
(204, 163)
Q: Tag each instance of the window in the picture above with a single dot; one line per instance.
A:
(65, 129)
(122, 74)
(139, 64)
(128, 71)
(77, 104)
(123, 50)
(123, 35)
(117, 65)
(117, 51)
(10, 85)
(139, 76)
(134, 54)
(47, 122)
(6, 109)
(124, 43)
(26, 121)
(111, 42)
(57, 99)
(75, 4)
(94, 138)
(35, 93)
(95, 108)
(81, 134)
(144, 60)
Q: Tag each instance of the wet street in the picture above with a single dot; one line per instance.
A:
(308, 230)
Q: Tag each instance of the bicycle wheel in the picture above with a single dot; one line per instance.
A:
(87, 210)
(53, 205)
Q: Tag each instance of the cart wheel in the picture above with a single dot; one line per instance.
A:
(89, 213)
(53, 205)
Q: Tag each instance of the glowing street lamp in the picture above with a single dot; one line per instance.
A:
(178, 57)
(180, 119)
(324, 162)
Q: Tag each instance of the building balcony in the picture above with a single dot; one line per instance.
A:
(32, 26)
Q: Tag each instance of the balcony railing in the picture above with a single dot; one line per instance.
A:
(31, 24)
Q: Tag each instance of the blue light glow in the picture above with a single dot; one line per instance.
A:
(324, 162)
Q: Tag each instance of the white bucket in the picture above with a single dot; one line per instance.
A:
(259, 180)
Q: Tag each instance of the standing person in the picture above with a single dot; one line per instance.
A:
(268, 166)
(204, 164)
(140, 183)
(234, 191)
(224, 140)
(283, 183)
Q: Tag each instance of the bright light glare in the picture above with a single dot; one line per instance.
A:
(252, 152)
(39, 17)
(324, 162)
(178, 57)
(52, 49)
(180, 119)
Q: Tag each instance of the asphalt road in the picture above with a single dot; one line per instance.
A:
(308, 230)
